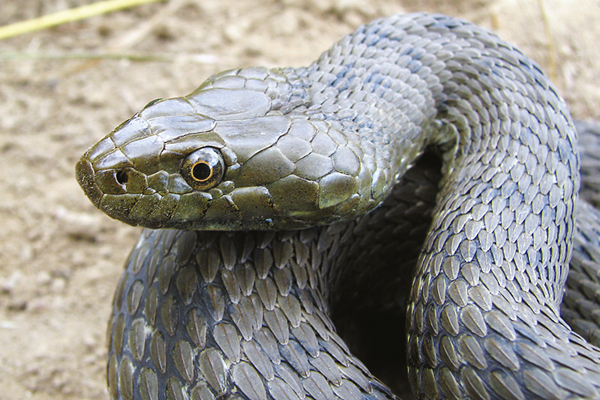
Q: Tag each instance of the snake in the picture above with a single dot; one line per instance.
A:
(422, 172)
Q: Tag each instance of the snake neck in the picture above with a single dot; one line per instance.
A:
(403, 83)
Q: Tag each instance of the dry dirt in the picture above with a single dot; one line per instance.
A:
(60, 259)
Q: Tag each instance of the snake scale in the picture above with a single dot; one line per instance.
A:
(290, 193)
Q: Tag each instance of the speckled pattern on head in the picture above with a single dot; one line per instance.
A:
(243, 315)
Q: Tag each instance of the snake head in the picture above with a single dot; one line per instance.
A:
(234, 154)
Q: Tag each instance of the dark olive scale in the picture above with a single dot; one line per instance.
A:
(255, 153)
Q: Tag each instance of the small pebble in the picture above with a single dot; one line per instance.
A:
(43, 278)
(9, 284)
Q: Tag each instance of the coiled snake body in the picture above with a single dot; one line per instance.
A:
(234, 302)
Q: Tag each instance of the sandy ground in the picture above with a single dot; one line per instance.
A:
(60, 259)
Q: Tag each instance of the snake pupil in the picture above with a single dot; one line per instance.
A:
(201, 172)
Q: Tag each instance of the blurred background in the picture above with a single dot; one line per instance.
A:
(62, 89)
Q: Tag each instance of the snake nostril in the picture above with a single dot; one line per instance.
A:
(122, 177)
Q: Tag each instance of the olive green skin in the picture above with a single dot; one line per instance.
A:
(284, 168)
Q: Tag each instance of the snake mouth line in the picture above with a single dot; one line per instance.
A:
(84, 172)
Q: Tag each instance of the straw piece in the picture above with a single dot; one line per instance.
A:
(73, 14)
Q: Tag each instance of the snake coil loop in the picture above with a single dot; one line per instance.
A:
(217, 309)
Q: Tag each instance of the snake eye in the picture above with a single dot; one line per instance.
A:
(204, 168)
